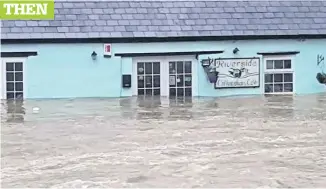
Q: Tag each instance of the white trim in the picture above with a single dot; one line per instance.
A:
(134, 72)
(278, 93)
(164, 66)
(164, 78)
(3, 73)
(279, 71)
(134, 82)
(194, 73)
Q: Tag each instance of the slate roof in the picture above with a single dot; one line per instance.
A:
(115, 19)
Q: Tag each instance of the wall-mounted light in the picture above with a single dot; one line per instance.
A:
(236, 50)
(205, 63)
(94, 55)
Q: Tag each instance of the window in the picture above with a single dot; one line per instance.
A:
(14, 80)
(278, 76)
(148, 78)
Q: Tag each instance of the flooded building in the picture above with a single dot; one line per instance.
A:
(166, 48)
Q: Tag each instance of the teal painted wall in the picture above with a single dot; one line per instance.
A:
(67, 70)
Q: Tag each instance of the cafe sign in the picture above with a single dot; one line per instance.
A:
(237, 72)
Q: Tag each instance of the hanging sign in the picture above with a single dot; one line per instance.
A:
(237, 72)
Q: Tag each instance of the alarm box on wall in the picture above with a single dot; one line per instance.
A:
(107, 50)
(126, 81)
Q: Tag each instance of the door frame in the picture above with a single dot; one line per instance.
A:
(164, 72)
(3, 79)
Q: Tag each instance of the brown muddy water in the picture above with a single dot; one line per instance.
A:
(276, 141)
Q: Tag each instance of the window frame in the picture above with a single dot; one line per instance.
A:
(3, 80)
(279, 71)
(176, 87)
(152, 74)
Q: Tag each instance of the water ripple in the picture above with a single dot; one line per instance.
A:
(252, 141)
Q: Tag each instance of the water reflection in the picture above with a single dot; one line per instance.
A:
(142, 108)
(126, 107)
(149, 107)
(279, 106)
(253, 141)
(154, 107)
(180, 108)
(15, 111)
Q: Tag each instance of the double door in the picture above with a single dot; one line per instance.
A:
(171, 77)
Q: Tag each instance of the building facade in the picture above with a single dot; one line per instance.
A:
(194, 48)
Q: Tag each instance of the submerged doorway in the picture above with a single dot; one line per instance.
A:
(165, 76)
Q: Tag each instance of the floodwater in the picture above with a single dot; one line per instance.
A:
(254, 141)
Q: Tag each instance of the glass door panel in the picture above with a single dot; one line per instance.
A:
(180, 78)
(148, 78)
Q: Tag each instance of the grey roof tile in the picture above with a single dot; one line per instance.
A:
(82, 29)
(79, 19)
(71, 17)
(109, 28)
(63, 29)
(200, 4)
(109, 11)
(66, 23)
(74, 29)
(20, 23)
(127, 34)
(4, 35)
(52, 29)
(78, 23)
(91, 17)
(229, 27)
(93, 34)
(100, 22)
(134, 22)
(112, 22)
(44, 23)
(120, 28)
(89, 22)
(105, 34)
(49, 35)
(28, 23)
(13, 30)
(149, 34)
(115, 16)
(125, 17)
(85, 11)
(139, 34)
(97, 28)
(123, 4)
(39, 30)
(35, 35)
(25, 30)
